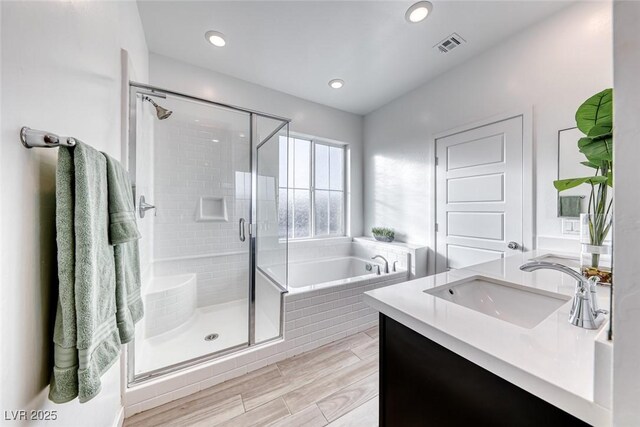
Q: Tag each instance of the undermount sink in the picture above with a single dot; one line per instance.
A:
(511, 302)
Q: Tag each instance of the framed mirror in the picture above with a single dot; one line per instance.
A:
(569, 166)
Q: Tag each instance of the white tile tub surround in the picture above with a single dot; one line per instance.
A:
(311, 319)
(170, 301)
(309, 249)
(416, 263)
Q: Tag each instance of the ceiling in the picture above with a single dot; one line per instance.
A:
(298, 46)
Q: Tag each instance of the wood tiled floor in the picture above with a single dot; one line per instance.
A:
(335, 385)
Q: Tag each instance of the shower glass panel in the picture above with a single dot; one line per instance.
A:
(195, 167)
(213, 266)
(271, 251)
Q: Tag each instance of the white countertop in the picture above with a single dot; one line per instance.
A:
(554, 360)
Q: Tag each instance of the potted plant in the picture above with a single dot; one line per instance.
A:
(595, 119)
(383, 234)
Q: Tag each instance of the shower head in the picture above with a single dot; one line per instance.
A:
(161, 112)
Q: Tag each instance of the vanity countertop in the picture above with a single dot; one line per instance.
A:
(553, 360)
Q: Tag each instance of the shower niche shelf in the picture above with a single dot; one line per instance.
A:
(213, 209)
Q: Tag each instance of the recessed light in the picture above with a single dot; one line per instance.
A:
(215, 38)
(242, 135)
(418, 12)
(336, 83)
(215, 140)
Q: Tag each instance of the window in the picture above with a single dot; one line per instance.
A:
(315, 189)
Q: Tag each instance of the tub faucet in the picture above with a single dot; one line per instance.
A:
(386, 263)
(584, 311)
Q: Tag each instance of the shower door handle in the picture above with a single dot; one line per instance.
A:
(241, 230)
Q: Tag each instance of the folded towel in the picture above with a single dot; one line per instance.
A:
(569, 206)
(124, 235)
(86, 339)
(122, 217)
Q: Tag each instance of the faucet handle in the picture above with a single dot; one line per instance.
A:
(593, 293)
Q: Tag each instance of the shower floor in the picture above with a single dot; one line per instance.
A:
(228, 320)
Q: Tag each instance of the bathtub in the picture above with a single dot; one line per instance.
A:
(305, 276)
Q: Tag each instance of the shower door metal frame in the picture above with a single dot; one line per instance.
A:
(136, 89)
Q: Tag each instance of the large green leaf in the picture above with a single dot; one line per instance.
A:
(565, 184)
(597, 110)
(590, 164)
(610, 179)
(596, 150)
(601, 131)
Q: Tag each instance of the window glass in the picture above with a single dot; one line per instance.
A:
(336, 215)
(282, 176)
(322, 166)
(311, 194)
(336, 168)
(322, 212)
(284, 204)
(301, 163)
(301, 214)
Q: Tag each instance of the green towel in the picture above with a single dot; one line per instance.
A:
(124, 235)
(569, 206)
(86, 338)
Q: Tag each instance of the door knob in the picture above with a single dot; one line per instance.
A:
(513, 245)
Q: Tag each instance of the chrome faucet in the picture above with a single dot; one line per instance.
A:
(584, 311)
(386, 263)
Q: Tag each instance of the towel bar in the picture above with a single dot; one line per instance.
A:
(31, 138)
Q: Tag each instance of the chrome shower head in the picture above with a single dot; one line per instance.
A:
(161, 112)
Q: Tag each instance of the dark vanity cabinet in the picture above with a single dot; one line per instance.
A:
(425, 384)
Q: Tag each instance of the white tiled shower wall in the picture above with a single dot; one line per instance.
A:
(198, 153)
(311, 320)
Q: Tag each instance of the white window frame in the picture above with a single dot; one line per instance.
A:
(312, 187)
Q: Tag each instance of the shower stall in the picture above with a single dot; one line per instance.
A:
(206, 177)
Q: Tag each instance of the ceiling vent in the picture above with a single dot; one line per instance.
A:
(450, 43)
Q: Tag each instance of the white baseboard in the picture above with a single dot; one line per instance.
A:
(119, 421)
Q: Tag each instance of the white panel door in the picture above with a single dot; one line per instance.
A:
(479, 194)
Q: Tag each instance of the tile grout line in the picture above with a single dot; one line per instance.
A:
(321, 413)
(352, 352)
(347, 386)
(285, 405)
(348, 413)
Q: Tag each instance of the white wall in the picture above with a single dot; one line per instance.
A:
(552, 67)
(307, 117)
(626, 296)
(60, 72)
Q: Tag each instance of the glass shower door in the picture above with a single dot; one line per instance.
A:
(194, 165)
(271, 244)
